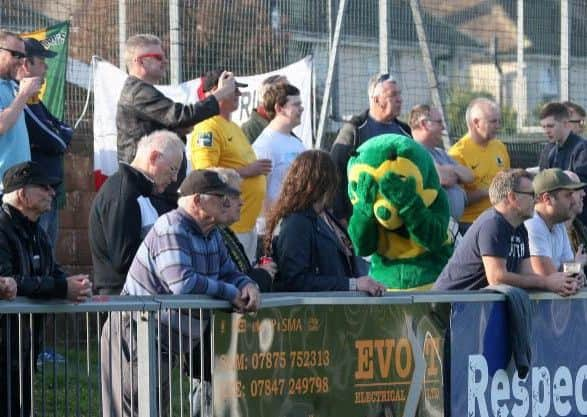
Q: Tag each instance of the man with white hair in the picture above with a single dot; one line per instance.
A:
(483, 153)
(122, 212)
(385, 105)
(182, 254)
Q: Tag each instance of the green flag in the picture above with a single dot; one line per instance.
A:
(54, 38)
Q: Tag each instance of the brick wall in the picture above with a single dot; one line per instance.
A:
(73, 251)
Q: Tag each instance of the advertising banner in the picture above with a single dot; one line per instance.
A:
(324, 361)
(484, 381)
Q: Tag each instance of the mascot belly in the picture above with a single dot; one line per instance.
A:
(400, 212)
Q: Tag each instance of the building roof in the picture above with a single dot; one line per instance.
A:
(486, 20)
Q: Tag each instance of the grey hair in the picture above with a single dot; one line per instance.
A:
(506, 182)
(164, 141)
(136, 42)
(475, 105)
(374, 82)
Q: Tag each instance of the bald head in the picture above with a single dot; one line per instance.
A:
(483, 119)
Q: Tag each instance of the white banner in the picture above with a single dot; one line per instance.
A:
(108, 82)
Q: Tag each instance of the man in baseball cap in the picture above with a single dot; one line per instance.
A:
(547, 235)
(49, 137)
(182, 254)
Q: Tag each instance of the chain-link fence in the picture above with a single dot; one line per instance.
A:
(474, 46)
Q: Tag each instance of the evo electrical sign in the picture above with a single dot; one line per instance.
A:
(484, 378)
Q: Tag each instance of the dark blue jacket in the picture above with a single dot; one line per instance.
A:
(572, 156)
(48, 137)
(310, 257)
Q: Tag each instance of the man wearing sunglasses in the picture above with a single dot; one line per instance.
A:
(385, 105)
(142, 108)
(14, 138)
(48, 136)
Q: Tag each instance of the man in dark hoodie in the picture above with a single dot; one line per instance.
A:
(48, 136)
(385, 105)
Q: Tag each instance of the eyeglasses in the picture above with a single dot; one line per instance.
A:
(530, 193)
(158, 57)
(579, 122)
(15, 54)
(225, 198)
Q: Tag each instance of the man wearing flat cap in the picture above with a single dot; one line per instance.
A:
(547, 235)
(183, 254)
(49, 137)
(26, 256)
(219, 142)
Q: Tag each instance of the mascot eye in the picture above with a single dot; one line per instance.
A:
(383, 213)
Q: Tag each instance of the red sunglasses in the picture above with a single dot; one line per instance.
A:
(158, 57)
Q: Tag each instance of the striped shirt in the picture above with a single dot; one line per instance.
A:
(177, 258)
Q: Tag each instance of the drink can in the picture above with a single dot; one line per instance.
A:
(264, 260)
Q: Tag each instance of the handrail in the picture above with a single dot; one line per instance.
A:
(154, 303)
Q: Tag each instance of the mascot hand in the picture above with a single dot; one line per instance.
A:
(367, 194)
(399, 191)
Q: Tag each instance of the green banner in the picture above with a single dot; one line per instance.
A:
(324, 361)
(54, 38)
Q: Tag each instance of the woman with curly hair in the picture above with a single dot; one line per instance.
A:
(312, 250)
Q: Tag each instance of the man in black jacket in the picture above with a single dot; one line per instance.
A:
(385, 105)
(26, 256)
(565, 150)
(122, 212)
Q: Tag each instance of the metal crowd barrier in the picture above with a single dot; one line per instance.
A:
(62, 358)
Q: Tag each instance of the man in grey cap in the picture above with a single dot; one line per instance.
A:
(183, 253)
(48, 136)
(547, 235)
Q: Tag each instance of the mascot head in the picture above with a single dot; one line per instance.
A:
(402, 156)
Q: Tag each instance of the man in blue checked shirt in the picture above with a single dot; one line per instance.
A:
(182, 254)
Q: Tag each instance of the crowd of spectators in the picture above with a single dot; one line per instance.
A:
(256, 211)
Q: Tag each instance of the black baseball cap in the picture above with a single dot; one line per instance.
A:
(211, 80)
(26, 173)
(204, 181)
(33, 47)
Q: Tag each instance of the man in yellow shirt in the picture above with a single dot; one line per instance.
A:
(483, 153)
(219, 142)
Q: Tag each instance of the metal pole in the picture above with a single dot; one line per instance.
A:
(147, 364)
(331, 64)
(521, 99)
(426, 57)
(383, 38)
(122, 35)
(174, 44)
(565, 46)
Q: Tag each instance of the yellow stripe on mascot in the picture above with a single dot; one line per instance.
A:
(400, 212)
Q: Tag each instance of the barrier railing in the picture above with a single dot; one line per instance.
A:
(316, 354)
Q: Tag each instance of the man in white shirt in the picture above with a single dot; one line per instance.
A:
(277, 142)
(547, 235)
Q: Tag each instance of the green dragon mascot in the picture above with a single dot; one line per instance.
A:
(400, 212)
